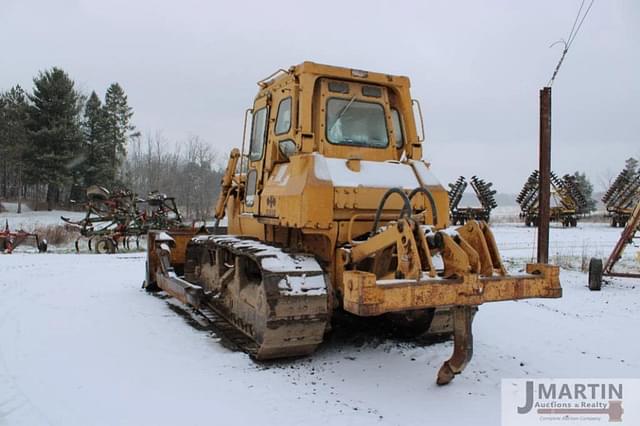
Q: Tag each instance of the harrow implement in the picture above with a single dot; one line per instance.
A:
(117, 220)
(621, 196)
(568, 201)
(484, 193)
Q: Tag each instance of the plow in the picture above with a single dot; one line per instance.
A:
(117, 220)
(331, 209)
(9, 240)
(568, 202)
(484, 194)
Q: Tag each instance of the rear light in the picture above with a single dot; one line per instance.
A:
(359, 73)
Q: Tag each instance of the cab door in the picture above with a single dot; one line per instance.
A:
(256, 155)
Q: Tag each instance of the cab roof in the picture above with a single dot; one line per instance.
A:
(330, 71)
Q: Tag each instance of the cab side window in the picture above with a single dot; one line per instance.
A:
(252, 178)
(258, 134)
(283, 122)
(397, 128)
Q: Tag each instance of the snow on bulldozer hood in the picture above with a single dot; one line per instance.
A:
(373, 174)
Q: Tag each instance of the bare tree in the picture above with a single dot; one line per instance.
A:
(189, 172)
(605, 179)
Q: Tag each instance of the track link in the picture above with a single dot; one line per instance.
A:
(228, 330)
(283, 314)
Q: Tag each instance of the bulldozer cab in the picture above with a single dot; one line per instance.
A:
(335, 112)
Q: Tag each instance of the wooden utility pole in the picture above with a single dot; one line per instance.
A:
(544, 183)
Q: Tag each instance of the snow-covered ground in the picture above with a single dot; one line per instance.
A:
(592, 239)
(28, 219)
(81, 343)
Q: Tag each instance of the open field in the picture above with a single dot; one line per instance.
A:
(81, 343)
(29, 220)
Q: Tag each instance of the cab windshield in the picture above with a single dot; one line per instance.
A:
(351, 122)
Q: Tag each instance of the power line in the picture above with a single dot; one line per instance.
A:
(576, 20)
(581, 22)
(572, 36)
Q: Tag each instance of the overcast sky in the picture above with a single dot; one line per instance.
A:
(189, 67)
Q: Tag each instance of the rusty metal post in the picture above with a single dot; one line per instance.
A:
(544, 183)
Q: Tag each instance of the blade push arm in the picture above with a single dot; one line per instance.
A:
(227, 183)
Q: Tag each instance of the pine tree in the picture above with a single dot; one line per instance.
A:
(4, 148)
(56, 138)
(13, 140)
(586, 189)
(96, 168)
(631, 167)
(117, 126)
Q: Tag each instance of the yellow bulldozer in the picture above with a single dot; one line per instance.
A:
(330, 208)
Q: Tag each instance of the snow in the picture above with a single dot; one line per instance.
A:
(320, 167)
(29, 219)
(280, 176)
(372, 174)
(81, 343)
(293, 285)
(584, 241)
(280, 262)
(451, 231)
(503, 213)
(13, 207)
(272, 258)
(163, 236)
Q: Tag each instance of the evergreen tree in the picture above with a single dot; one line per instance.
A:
(117, 126)
(13, 140)
(54, 124)
(586, 189)
(631, 167)
(96, 168)
(4, 148)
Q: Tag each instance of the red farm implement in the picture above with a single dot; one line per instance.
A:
(9, 240)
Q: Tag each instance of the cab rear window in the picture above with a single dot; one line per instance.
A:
(352, 122)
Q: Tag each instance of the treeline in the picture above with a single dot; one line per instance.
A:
(56, 141)
(190, 172)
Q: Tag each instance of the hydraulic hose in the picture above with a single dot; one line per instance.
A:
(432, 202)
(406, 209)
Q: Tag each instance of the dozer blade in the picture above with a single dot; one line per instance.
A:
(366, 296)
